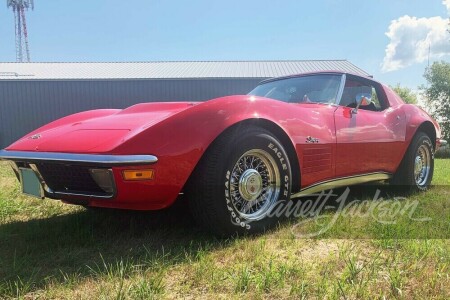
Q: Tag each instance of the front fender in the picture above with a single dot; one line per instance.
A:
(180, 141)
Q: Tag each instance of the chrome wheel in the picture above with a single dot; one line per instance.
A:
(254, 184)
(422, 164)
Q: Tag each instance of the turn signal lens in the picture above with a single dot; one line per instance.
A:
(138, 174)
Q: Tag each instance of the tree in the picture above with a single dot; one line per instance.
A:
(437, 93)
(405, 93)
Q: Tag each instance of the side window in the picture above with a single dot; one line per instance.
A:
(375, 100)
(303, 89)
(354, 87)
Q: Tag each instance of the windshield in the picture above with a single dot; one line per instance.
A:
(305, 89)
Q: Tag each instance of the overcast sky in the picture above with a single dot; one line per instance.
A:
(387, 38)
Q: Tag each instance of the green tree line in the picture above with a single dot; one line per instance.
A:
(436, 94)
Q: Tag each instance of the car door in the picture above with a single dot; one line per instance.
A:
(370, 139)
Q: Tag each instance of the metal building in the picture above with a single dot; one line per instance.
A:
(33, 94)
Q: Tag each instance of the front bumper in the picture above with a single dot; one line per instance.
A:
(78, 159)
(68, 176)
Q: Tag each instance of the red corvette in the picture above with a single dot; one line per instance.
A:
(234, 157)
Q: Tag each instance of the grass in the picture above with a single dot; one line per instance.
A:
(50, 250)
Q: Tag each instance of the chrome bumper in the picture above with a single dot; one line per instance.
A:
(89, 162)
(78, 159)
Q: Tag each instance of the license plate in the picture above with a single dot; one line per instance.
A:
(31, 185)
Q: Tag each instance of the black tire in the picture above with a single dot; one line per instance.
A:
(261, 157)
(405, 179)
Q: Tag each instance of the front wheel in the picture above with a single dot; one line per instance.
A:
(416, 170)
(241, 179)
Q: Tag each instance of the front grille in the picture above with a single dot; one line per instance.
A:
(69, 179)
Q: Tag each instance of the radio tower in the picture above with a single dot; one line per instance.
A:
(19, 7)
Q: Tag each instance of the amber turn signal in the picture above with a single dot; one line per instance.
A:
(138, 174)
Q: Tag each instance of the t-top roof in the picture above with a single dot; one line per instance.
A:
(170, 69)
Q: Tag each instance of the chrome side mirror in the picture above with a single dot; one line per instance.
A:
(362, 99)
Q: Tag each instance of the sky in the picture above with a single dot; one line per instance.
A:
(387, 38)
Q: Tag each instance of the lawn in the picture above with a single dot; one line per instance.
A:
(50, 250)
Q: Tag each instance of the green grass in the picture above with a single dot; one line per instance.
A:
(50, 250)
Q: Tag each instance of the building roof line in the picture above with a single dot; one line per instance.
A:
(168, 61)
(171, 69)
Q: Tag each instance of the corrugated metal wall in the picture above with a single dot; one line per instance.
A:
(27, 105)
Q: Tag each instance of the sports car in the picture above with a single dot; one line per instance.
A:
(234, 158)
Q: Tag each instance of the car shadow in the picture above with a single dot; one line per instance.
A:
(85, 242)
(79, 243)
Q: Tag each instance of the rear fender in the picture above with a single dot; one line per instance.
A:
(418, 120)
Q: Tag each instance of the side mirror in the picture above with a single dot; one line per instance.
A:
(362, 99)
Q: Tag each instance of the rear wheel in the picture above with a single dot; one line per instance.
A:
(243, 176)
(416, 170)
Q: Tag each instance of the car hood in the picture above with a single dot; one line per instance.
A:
(97, 133)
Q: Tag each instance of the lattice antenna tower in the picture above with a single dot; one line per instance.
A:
(19, 7)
